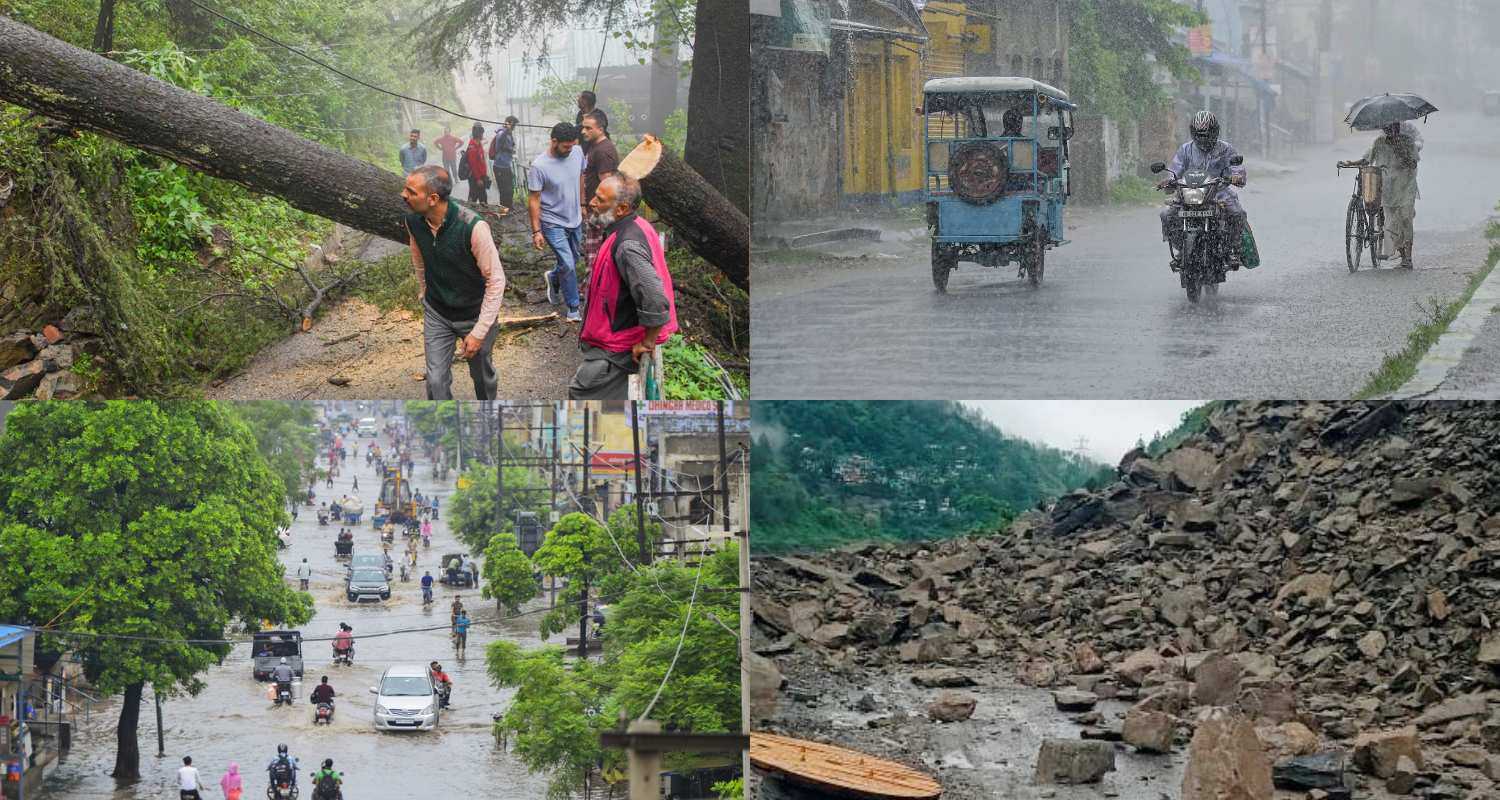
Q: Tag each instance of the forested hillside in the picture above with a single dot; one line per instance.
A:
(824, 473)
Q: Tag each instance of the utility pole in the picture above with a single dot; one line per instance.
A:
(460, 406)
(723, 471)
(636, 408)
(161, 740)
(585, 503)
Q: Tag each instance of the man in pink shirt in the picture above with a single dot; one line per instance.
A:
(460, 281)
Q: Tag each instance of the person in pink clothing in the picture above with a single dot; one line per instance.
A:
(231, 783)
(427, 531)
(450, 145)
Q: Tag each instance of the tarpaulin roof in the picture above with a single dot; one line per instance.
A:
(10, 634)
(1240, 65)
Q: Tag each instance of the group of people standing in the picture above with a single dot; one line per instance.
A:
(581, 207)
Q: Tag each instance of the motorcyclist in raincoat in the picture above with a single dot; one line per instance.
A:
(1208, 152)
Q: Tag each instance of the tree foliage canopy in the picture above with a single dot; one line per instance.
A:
(1114, 48)
(826, 473)
(508, 573)
(144, 519)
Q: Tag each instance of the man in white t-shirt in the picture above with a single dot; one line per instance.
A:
(187, 780)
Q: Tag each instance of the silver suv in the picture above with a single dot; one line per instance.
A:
(365, 584)
(405, 699)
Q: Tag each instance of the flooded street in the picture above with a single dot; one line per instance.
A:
(232, 720)
(1110, 320)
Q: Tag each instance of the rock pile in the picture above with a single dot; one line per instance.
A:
(1330, 572)
(40, 363)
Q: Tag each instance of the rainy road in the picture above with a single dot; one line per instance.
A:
(231, 719)
(1111, 320)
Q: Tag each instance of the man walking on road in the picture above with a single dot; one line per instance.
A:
(304, 574)
(502, 156)
(413, 155)
(600, 162)
(631, 307)
(1398, 149)
(449, 144)
(460, 280)
(554, 186)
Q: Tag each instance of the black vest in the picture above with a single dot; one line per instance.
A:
(455, 286)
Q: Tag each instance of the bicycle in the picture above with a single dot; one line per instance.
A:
(1364, 224)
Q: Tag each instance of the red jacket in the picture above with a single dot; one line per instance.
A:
(474, 154)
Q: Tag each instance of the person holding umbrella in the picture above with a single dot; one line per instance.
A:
(1398, 149)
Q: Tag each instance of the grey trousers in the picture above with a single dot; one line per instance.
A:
(599, 379)
(439, 338)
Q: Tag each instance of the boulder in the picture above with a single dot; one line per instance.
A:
(1403, 777)
(933, 647)
(1071, 700)
(834, 634)
(1303, 773)
(765, 685)
(1149, 731)
(1086, 661)
(952, 707)
(1372, 644)
(59, 386)
(1225, 760)
(1216, 681)
(1191, 468)
(1072, 761)
(1376, 752)
(1489, 649)
(17, 348)
(941, 678)
(20, 380)
(1469, 705)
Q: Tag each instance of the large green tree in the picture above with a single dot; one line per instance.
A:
(1115, 47)
(472, 509)
(508, 574)
(140, 519)
(561, 705)
(286, 437)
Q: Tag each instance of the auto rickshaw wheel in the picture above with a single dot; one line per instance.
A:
(943, 262)
(977, 172)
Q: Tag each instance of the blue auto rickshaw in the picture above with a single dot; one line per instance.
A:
(997, 177)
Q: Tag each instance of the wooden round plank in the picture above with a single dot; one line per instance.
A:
(838, 768)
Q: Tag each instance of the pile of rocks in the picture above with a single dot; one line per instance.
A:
(1329, 573)
(40, 363)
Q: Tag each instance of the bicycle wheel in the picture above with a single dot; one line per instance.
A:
(1354, 233)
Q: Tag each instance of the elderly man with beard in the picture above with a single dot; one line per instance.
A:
(630, 306)
(460, 282)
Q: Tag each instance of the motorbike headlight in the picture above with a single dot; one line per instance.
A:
(1193, 197)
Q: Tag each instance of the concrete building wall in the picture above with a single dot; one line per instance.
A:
(795, 139)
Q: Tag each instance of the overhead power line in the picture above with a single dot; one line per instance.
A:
(341, 73)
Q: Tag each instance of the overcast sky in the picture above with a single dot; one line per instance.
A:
(1110, 427)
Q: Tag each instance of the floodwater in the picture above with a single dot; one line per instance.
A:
(232, 720)
(1111, 320)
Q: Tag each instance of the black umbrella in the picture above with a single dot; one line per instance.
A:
(1374, 113)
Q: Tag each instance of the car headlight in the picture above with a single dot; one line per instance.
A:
(429, 709)
(380, 709)
(1193, 197)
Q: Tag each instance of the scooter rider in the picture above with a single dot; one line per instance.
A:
(283, 766)
(1207, 152)
(343, 641)
(327, 783)
(323, 693)
(444, 685)
(283, 675)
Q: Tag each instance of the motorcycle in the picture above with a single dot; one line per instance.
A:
(426, 596)
(444, 692)
(283, 693)
(281, 788)
(323, 714)
(323, 520)
(345, 657)
(1204, 251)
(405, 573)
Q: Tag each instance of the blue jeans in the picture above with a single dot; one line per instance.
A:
(567, 244)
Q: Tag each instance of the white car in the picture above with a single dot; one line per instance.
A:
(367, 427)
(405, 699)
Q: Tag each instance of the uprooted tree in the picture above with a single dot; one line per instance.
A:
(89, 92)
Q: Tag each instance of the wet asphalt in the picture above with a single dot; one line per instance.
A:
(232, 719)
(1111, 320)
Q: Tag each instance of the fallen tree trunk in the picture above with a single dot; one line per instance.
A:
(720, 233)
(89, 92)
